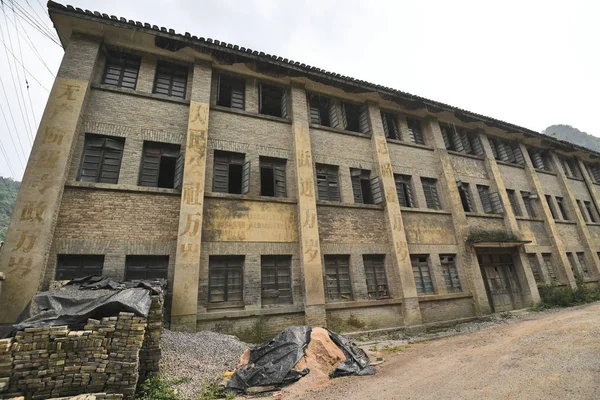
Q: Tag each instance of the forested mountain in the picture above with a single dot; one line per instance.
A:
(8, 195)
(573, 135)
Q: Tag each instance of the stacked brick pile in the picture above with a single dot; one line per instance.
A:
(40, 363)
(150, 353)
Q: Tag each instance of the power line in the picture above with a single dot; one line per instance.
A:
(20, 90)
(37, 27)
(30, 74)
(26, 82)
(7, 160)
(39, 22)
(10, 133)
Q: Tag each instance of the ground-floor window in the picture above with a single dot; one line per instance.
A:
(448, 262)
(225, 280)
(377, 286)
(276, 280)
(337, 276)
(71, 266)
(422, 274)
(146, 267)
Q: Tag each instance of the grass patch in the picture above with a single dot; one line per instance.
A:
(394, 349)
(552, 296)
(211, 390)
(156, 388)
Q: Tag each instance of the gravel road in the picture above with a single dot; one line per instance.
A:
(550, 355)
(198, 356)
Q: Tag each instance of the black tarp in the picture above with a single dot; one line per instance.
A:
(90, 297)
(272, 363)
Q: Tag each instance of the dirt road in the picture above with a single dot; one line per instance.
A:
(554, 355)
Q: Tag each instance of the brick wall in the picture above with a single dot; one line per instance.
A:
(437, 311)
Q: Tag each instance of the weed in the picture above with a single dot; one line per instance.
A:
(552, 296)
(155, 388)
(256, 333)
(211, 391)
(374, 348)
(335, 324)
(355, 322)
(393, 349)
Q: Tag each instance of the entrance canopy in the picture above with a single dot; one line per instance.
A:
(501, 245)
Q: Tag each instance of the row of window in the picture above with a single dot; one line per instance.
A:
(122, 70)
(71, 266)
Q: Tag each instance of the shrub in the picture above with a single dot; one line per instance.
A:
(552, 296)
(155, 388)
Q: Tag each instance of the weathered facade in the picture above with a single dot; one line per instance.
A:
(262, 186)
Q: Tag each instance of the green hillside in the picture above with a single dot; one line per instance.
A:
(573, 135)
(8, 195)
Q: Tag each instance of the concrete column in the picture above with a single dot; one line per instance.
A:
(184, 308)
(559, 256)
(590, 184)
(524, 272)
(411, 311)
(310, 248)
(591, 255)
(546, 278)
(466, 258)
(27, 245)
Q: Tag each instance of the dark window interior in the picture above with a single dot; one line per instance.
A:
(366, 191)
(352, 112)
(159, 163)
(361, 186)
(272, 177)
(270, 100)
(228, 172)
(71, 266)
(235, 178)
(166, 175)
(464, 199)
(231, 91)
(319, 110)
(267, 182)
(146, 267)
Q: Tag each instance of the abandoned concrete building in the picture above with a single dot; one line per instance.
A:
(262, 186)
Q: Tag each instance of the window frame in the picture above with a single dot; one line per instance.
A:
(514, 203)
(387, 119)
(222, 158)
(453, 285)
(337, 262)
(432, 201)
(374, 263)
(561, 208)
(174, 69)
(227, 269)
(529, 207)
(122, 60)
(80, 259)
(332, 179)
(464, 193)
(418, 268)
(283, 99)
(133, 262)
(415, 137)
(404, 190)
(103, 157)
(279, 167)
(147, 147)
(279, 264)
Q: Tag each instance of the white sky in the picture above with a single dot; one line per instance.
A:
(530, 63)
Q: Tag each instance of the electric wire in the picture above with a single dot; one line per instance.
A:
(26, 82)
(19, 90)
(30, 74)
(38, 25)
(11, 136)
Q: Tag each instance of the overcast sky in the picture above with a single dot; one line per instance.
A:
(531, 63)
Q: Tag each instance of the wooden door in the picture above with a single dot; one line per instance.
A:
(501, 281)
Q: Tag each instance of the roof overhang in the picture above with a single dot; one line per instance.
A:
(501, 245)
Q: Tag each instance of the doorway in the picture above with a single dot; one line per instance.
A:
(501, 281)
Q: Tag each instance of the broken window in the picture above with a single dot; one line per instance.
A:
(535, 267)
(539, 159)
(355, 117)
(592, 212)
(71, 266)
(121, 69)
(420, 267)
(526, 197)
(583, 211)
(551, 207)
(366, 188)
(561, 208)
(461, 140)
(490, 201)
(276, 280)
(390, 125)
(231, 91)
(570, 167)
(448, 262)
(231, 173)
(431, 194)
(404, 190)
(272, 100)
(547, 257)
(159, 164)
(225, 280)
(323, 111)
(146, 267)
(465, 197)
(594, 172)
(327, 182)
(512, 198)
(337, 274)
(170, 79)
(272, 177)
(415, 133)
(507, 151)
(101, 161)
(377, 287)
(582, 263)
(573, 263)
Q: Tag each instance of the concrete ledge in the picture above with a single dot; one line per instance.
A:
(508, 164)
(559, 221)
(341, 131)
(349, 205)
(132, 92)
(232, 196)
(459, 154)
(448, 296)
(541, 171)
(483, 215)
(410, 144)
(122, 188)
(251, 114)
(362, 304)
(216, 315)
(424, 211)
